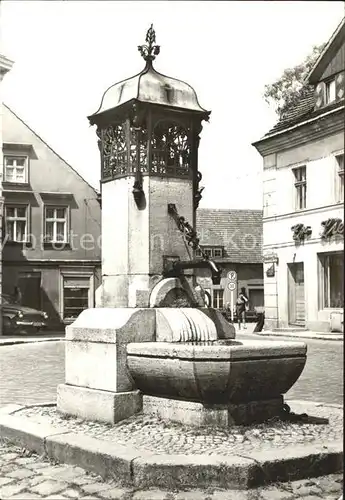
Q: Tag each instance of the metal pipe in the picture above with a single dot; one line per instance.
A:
(181, 265)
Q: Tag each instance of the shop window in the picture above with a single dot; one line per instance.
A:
(300, 175)
(55, 222)
(340, 177)
(16, 169)
(16, 223)
(76, 293)
(331, 280)
(218, 299)
(256, 298)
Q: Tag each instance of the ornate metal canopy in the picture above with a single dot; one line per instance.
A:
(149, 125)
(150, 86)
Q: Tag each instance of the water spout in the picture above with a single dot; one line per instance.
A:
(174, 269)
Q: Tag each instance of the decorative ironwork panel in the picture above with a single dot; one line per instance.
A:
(171, 150)
(114, 151)
(138, 145)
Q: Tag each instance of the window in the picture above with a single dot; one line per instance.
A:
(15, 169)
(300, 174)
(75, 296)
(331, 280)
(340, 176)
(330, 91)
(16, 223)
(217, 252)
(218, 299)
(55, 224)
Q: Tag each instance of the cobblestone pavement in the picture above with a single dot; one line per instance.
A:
(149, 434)
(27, 476)
(31, 372)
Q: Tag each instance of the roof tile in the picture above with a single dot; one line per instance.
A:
(238, 231)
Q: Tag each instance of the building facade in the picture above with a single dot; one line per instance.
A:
(51, 238)
(5, 66)
(303, 212)
(233, 239)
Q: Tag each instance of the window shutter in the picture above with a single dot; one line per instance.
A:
(320, 95)
(339, 86)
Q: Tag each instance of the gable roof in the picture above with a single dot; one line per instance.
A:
(238, 231)
(326, 55)
(49, 147)
(303, 111)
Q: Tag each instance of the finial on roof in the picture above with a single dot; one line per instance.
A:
(150, 50)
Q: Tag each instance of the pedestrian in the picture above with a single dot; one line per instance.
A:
(17, 295)
(241, 305)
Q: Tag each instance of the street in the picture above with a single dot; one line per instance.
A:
(29, 373)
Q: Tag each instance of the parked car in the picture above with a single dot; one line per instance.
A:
(18, 319)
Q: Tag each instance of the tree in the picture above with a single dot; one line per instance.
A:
(284, 93)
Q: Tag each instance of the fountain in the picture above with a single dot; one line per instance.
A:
(150, 344)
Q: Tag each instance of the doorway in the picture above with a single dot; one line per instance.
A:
(30, 288)
(296, 298)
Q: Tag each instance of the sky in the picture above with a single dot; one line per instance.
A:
(67, 53)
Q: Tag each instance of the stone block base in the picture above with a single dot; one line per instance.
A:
(198, 414)
(93, 404)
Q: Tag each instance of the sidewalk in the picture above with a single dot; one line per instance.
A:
(302, 334)
(26, 339)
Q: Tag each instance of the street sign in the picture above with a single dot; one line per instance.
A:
(232, 286)
(232, 275)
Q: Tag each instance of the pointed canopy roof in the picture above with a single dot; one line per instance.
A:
(150, 86)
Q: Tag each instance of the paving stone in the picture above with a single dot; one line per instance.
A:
(81, 480)
(12, 489)
(38, 465)
(28, 496)
(67, 474)
(96, 487)
(9, 456)
(191, 495)
(71, 493)
(275, 494)
(311, 497)
(90, 498)
(151, 494)
(24, 460)
(6, 468)
(20, 473)
(55, 497)
(53, 470)
(5, 480)
(49, 487)
(119, 494)
(229, 495)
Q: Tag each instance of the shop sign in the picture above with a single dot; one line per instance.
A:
(270, 258)
(332, 227)
(300, 232)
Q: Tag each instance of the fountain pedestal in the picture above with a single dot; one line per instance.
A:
(221, 415)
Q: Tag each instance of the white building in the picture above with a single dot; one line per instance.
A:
(303, 223)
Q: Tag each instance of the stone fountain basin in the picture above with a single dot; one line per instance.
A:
(216, 373)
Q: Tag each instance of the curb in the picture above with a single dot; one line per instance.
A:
(331, 337)
(29, 341)
(139, 469)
